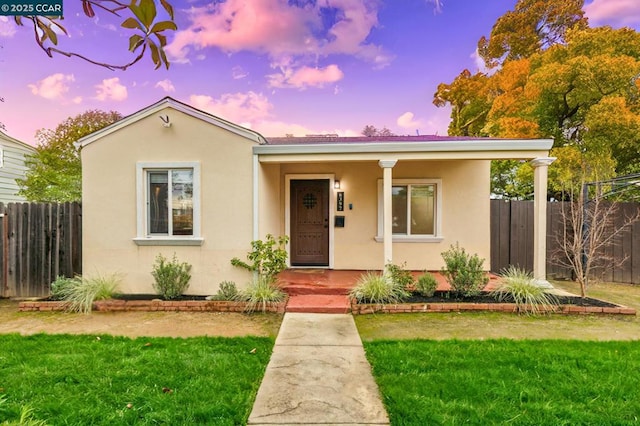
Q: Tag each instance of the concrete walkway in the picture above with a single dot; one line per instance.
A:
(318, 375)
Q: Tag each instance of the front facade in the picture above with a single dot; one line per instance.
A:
(172, 179)
(12, 166)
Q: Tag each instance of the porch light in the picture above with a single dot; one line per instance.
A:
(336, 184)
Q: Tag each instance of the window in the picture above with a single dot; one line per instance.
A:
(416, 207)
(168, 204)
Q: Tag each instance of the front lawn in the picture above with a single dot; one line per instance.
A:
(543, 382)
(105, 380)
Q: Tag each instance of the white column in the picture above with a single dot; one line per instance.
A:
(540, 166)
(387, 212)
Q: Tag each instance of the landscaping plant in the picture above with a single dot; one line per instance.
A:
(80, 292)
(519, 286)
(227, 291)
(426, 284)
(171, 277)
(268, 258)
(373, 287)
(399, 275)
(464, 272)
(260, 294)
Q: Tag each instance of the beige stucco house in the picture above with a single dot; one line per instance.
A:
(173, 179)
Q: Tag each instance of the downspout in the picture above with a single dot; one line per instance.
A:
(256, 197)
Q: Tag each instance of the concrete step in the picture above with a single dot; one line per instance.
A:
(302, 289)
(319, 303)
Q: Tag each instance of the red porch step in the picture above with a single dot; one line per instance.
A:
(319, 303)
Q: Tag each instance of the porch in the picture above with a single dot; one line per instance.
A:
(325, 290)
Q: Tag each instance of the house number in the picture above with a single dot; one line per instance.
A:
(340, 201)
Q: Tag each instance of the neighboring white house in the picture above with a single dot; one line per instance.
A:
(12, 166)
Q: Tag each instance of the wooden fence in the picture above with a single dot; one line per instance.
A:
(512, 241)
(38, 242)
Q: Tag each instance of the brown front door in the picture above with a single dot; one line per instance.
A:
(310, 222)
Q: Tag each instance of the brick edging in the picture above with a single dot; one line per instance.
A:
(116, 305)
(361, 309)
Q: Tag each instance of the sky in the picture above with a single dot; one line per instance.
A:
(276, 66)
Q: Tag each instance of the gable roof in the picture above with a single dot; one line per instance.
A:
(178, 106)
(24, 145)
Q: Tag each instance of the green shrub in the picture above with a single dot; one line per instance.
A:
(464, 272)
(227, 291)
(268, 258)
(81, 292)
(60, 287)
(518, 286)
(260, 294)
(426, 284)
(400, 276)
(171, 278)
(378, 288)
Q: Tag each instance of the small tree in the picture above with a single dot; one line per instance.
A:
(588, 227)
(268, 258)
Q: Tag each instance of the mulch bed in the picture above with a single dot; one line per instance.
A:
(485, 297)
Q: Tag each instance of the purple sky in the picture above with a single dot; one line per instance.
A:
(276, 66)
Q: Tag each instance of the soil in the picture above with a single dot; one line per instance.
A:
(137, 324)
(452, 297)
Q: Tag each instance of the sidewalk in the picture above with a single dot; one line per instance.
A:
(318, 374)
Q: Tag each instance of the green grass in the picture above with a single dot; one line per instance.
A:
(544, 382)
(81, 380)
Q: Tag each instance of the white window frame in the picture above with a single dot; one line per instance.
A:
(437, 236)
(143, 238)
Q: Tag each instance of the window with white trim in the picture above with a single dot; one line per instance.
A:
(168, 203)
(416, 209)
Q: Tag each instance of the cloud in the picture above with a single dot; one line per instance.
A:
(111, 89)
(279, 28)
(613, 12)
(53, 86)
(166, 85)
(7, 27)
(305, 77)
(408, 121)
(274, 128)
(243, 108)
(238, 73)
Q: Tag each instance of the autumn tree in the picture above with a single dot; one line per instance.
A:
(557, 79)
(54, 171)
(140, 17)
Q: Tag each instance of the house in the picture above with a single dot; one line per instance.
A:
(173, 179)
(12, 167)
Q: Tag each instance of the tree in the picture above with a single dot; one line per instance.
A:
(530, 28)
(141, 17)
(589, 227)
(371, 131)
(54, 171)
(560, 80)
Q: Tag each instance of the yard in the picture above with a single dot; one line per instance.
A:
(454, 368)
(499, 368)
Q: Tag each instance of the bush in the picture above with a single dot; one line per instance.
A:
(227, 291)
(518, 286)
(81, 292)
(464, 272)
(426, 284)
(377, 288)
(400, 276)
(261, 293)
(268, 257)
(171, 278)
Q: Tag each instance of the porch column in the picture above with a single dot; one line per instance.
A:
(387, 212)
(540, 166)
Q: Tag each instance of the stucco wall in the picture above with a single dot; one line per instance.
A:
(109, 201)
(465, 211)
